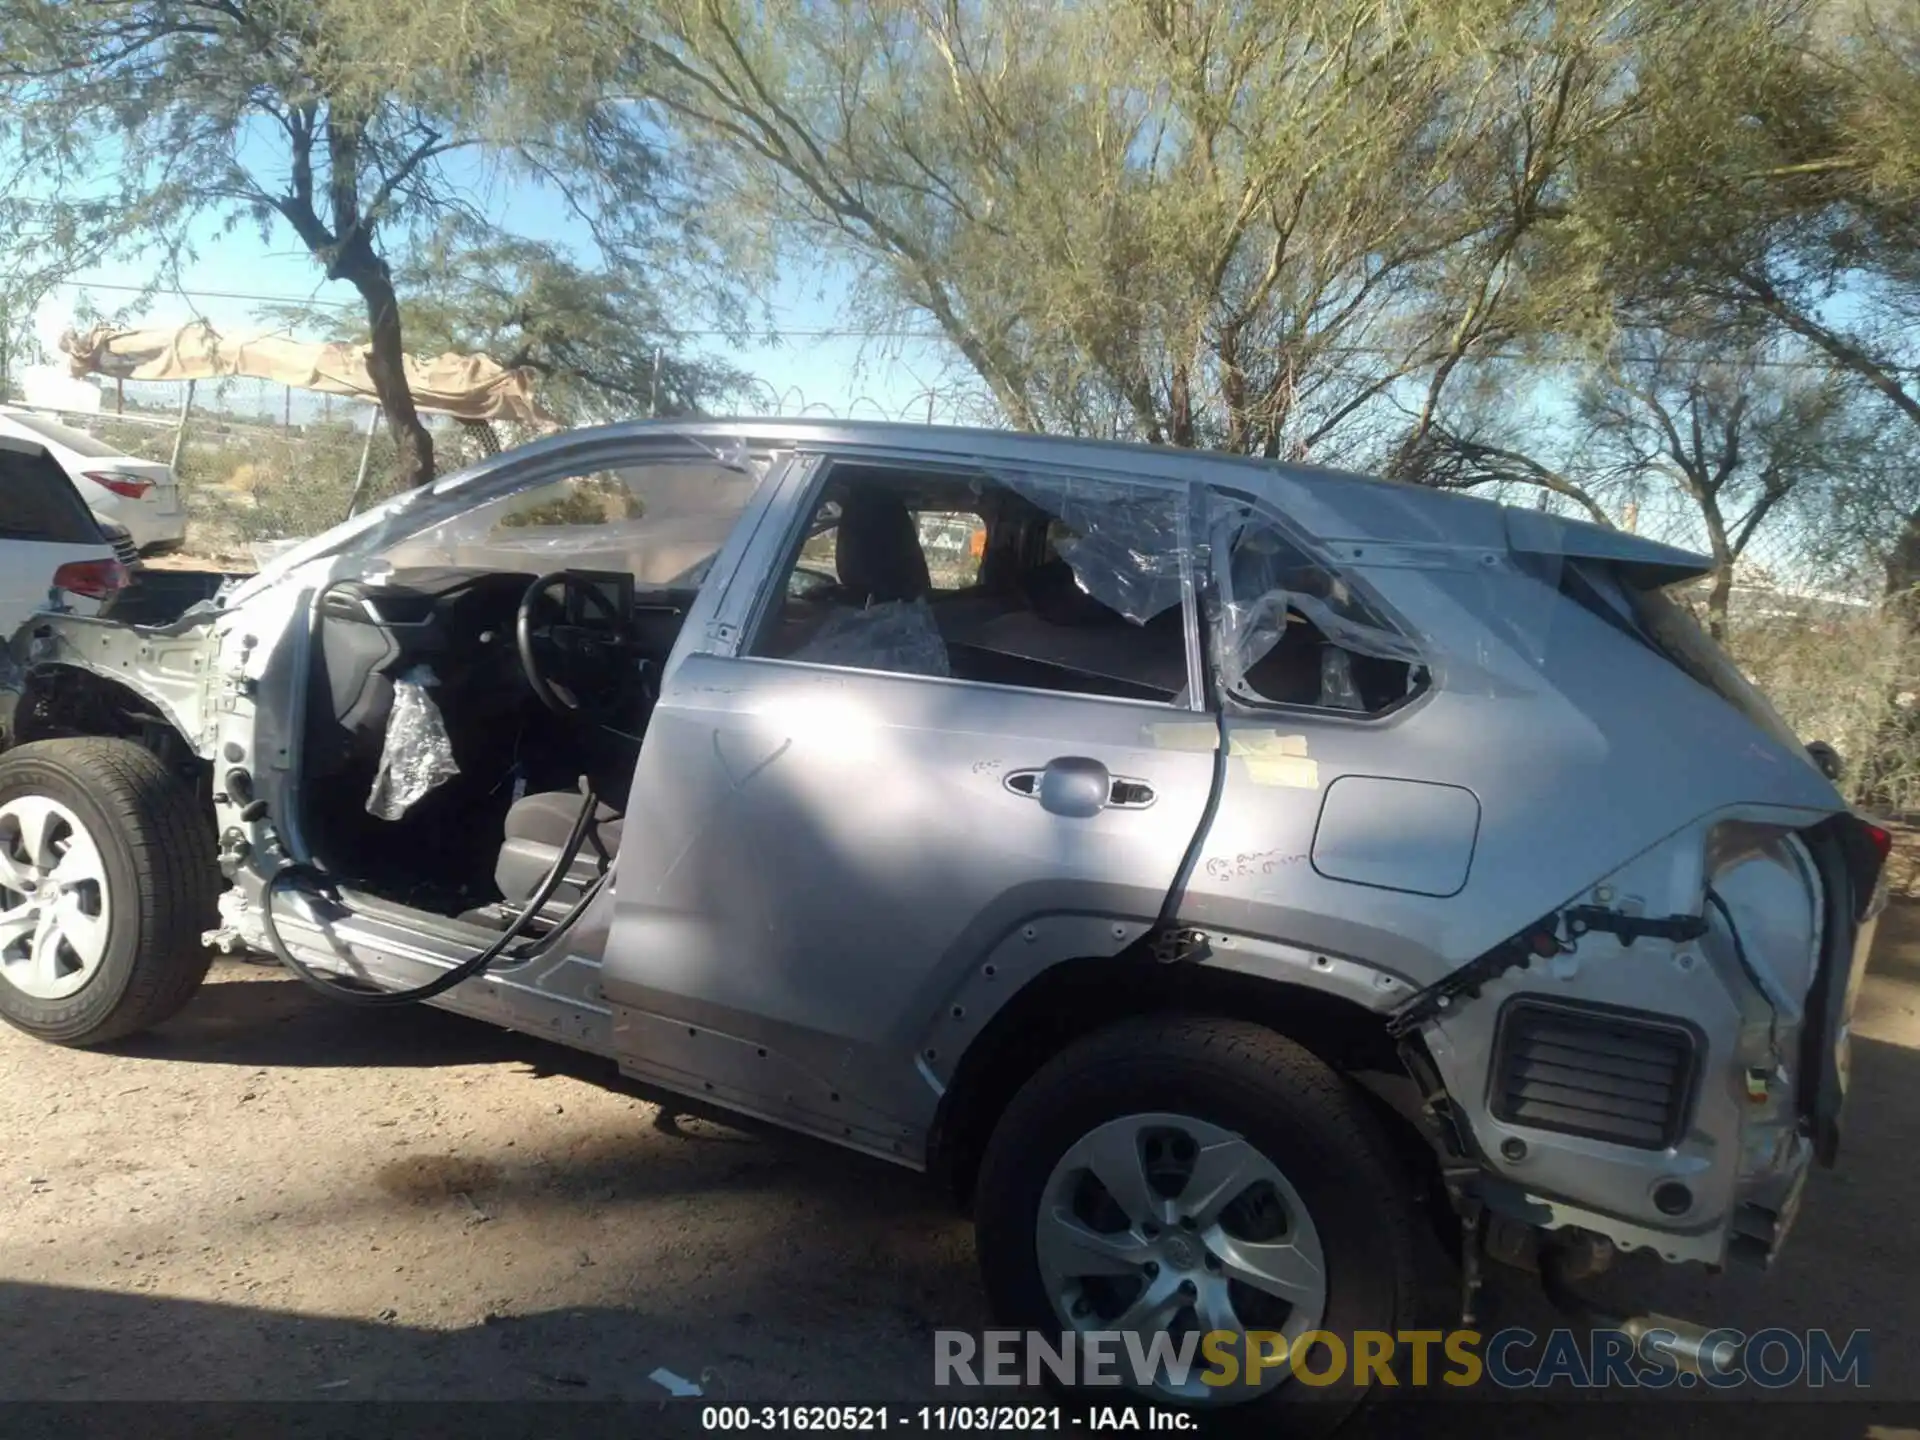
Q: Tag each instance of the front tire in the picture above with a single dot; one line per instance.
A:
(108, 881)
(1202, 1174)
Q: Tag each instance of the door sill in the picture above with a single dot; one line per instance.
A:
(427, 922)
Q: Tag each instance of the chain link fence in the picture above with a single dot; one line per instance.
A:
(1839, 665)
(261, 462)
(1848, 675)
(258, 462)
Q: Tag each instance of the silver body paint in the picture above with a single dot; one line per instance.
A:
(827, 890)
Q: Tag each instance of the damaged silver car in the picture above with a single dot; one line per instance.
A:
(1245, 884)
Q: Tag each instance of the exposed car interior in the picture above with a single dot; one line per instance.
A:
(1015, 615)
(1022, 615)
(481, 837)
(546, 682)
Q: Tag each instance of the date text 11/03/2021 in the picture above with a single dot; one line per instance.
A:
(936, 1419)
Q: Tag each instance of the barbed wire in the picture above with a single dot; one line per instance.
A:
(776, 334)
(803, 332)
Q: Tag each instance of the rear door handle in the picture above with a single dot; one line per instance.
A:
(1076, 787)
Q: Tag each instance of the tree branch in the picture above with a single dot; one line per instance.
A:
(1849, 355)
(1477, 463)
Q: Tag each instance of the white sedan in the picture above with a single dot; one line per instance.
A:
(142, 495)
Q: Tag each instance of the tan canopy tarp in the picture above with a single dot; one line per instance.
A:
(468, 387)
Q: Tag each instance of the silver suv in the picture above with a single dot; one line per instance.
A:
(1216, 869)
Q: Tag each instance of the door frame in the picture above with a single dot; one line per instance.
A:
(636, 450)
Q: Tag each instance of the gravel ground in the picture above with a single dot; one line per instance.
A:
(272, 1198)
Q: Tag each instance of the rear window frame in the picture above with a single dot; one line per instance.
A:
(1376, 613)
(1670, 630)
(21, 463)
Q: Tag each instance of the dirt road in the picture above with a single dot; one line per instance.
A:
(276, 1199)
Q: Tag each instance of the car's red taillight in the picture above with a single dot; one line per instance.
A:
(1881, 840)
(129, 486)
(95, 579)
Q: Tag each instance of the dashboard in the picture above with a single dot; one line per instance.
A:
(458, 622)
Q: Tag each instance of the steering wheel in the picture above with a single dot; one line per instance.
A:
(567, 639)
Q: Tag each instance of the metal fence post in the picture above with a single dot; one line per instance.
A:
(366, 453)
(180, 430)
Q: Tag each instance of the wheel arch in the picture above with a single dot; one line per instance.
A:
(1076, 997)
(64, 700)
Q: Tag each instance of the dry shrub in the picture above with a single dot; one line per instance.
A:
(1839, 676)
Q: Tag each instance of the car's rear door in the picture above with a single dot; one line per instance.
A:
(830, 839)
(44, 524)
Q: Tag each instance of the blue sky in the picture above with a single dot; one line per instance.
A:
(807, 370)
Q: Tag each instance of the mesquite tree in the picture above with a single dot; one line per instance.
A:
(356, 125)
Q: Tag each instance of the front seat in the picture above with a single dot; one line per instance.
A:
(876, 551)
(536, 829)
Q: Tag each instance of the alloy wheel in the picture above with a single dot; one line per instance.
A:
(54, 915)
(1167, 1223)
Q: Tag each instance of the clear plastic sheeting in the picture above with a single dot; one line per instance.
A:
(265, 552)
(1337, 690)
(898, 636)
(417, 755)
(1248, 633)
(1360, 637)
(1125, 549)
(655, 553)
(731, 451)
(1269, 575)
(415, 515)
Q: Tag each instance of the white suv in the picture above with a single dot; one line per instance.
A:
(49, 540)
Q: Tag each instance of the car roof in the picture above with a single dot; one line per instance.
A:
(1369, 504)
(982, 441)
(24, 422)
(1329, 502)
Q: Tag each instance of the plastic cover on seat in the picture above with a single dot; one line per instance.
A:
(897, 635)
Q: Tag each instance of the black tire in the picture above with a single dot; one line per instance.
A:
(162, 879)
(1293, 1109)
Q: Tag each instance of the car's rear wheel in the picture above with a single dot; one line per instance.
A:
(108, 881)
(1188, 1175)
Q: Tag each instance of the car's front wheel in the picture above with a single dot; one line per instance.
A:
(108, 881)
(1202, 1179)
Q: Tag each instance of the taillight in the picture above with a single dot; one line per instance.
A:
(1881, 840)
(95, 579)
(1866, 849)
(129, 486)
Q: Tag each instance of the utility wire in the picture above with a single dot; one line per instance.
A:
(804, 332)
(843, 332)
